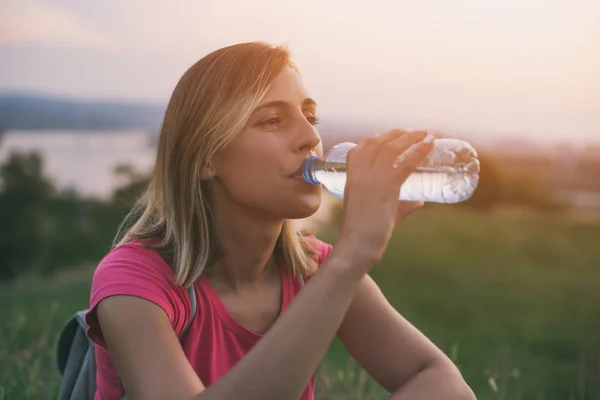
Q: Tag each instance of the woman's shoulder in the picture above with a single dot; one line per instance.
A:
(136, 270)
(129, 249)
(131, 256)
(131, 267)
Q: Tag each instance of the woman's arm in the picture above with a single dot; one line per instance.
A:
(145, 350)
(438, 380)
(395, 353)
(151, 363)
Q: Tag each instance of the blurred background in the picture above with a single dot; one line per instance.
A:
(506, 283)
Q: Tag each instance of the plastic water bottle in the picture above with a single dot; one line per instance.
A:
(449, 174)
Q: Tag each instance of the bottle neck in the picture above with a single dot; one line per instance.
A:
(309, 168)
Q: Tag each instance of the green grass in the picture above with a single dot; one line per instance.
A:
(515, 299)
(514, 302)
(33, 312)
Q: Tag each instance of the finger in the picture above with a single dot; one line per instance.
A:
(365, 150)
(390, 153)
(371, 146)
(391, 135)
(410, 160)
(410, 204)
(405, 208)
(413, 158)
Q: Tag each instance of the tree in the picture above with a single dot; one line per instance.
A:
(24, 193)
(133, 184)
(589, 168)
(490, 188)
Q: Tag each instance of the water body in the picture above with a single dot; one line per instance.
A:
(83, 160)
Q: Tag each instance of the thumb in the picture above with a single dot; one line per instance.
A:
(405, 208)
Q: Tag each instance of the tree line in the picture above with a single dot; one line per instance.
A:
(43, 229)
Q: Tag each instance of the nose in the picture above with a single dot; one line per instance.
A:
(307, 138)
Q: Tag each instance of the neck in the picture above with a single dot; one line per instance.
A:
(247, 242)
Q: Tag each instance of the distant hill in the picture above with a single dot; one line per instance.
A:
(25, 111)
(33, 111)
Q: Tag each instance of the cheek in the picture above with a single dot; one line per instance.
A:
(251, 172)
(255, 188)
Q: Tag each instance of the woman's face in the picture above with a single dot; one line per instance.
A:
(260, 168)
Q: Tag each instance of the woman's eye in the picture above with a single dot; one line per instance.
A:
(276, 121)
(273, 121)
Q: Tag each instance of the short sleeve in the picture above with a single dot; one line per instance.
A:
(323, 250)
(134, 270)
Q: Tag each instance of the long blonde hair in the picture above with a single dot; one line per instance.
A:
(211, 103)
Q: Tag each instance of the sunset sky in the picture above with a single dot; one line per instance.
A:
(512, 67)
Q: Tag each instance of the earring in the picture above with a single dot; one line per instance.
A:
(209, 174)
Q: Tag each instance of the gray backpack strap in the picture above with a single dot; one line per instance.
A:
(76, 361)
(192, 294)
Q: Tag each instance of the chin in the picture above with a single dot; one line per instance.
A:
(303, 206)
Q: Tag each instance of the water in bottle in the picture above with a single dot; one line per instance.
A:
(449, 174)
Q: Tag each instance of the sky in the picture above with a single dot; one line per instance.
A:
(513, 68)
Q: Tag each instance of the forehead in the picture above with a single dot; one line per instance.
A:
(287, 86)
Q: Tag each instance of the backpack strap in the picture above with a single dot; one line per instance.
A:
(192, 294)
(75, 360)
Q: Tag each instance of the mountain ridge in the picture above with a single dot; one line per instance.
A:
(40, 111)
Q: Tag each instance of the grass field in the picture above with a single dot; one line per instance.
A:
(513, 299)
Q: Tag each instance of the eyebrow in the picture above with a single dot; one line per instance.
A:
(308, 102)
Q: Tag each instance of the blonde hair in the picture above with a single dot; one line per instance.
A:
(210, 105)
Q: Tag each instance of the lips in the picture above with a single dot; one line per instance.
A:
(298, 172)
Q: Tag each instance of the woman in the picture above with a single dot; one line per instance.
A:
(217, 215)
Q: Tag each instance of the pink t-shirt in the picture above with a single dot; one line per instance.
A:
(215, 341)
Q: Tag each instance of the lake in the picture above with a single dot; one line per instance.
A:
(83, 160)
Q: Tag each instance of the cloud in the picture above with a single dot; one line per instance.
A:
(48, 25)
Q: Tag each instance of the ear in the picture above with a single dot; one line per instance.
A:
(207, 172)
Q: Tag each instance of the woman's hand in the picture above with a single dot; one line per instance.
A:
(371, 206)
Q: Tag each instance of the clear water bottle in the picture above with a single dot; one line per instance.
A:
(449, 174)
